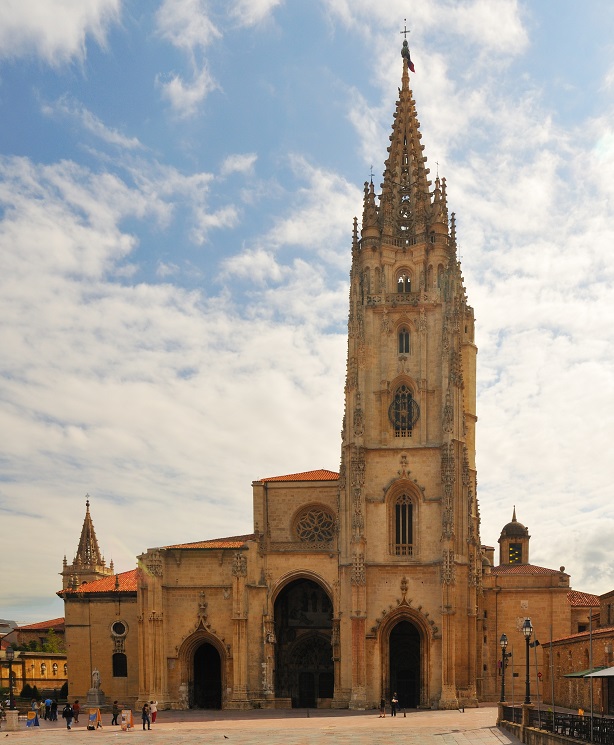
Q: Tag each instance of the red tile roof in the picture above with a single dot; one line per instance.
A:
(235, 541)
(599, 631)
(54, 623)
(321, 475)
(125, 582)
(576, 598)
(523, 569)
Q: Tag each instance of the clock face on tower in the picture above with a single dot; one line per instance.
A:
(515, 553)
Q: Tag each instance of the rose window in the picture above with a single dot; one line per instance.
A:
(316, 525)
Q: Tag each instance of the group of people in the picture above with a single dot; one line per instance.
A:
(149, 713)
(394, 705)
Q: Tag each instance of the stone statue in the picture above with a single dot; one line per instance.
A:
(95, 679)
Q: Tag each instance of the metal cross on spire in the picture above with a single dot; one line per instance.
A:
(405, 30)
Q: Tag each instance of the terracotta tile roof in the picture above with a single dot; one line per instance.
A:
(234, 541)
(582, 598)
(599, 631)
(126, 582)
(54, 623)
(523, 569)
(321, 475)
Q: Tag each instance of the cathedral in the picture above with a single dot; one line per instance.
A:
(353, 585)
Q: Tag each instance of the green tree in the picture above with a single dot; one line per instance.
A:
(53, 642)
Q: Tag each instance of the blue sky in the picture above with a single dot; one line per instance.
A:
(178, 180)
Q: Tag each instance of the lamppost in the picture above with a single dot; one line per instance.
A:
(504, 657)
(10, 656)
(527, 630)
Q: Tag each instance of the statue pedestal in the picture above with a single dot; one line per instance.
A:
(12, 720)
(95, 698)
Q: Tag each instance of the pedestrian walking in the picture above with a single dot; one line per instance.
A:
(76, 709)
(145, 715)
(153, 708)
(115, 711)
(68, 714)
(54, 710)
(394, 702)
(382, 708)
(47, 708)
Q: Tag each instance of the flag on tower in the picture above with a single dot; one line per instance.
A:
(405, 55)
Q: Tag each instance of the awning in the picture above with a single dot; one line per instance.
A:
(594, 671)
(606, 672)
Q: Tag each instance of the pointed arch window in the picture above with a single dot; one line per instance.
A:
(404, 283)
(403, 526)
(404, 340)
(440, 277)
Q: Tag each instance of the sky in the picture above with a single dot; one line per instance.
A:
(178, 181)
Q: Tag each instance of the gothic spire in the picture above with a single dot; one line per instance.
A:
(88, 553)
(406, 198)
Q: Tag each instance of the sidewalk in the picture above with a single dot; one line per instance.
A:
(283, 727)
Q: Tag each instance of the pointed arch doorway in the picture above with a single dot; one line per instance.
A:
(304, 657)
(207, 678)
(404, 657)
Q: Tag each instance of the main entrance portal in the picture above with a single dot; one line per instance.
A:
(206, 687)
(405, 664)
(304, 658)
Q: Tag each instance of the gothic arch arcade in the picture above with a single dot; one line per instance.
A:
(304, 658)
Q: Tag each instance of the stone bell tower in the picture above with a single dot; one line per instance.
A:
(410, 562)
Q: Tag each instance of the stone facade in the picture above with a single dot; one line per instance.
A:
(358, 584)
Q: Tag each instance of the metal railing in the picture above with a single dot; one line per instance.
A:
(580, 727)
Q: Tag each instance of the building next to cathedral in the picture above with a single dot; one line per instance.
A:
(357, 584)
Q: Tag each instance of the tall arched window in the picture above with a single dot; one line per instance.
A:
(404, 341)
(404, 283)
(403, 526)
(120, 665)
(440, 276)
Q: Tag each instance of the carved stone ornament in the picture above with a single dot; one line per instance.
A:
(386, 328)
(422, 322)
(448, 414)
(448, 569)
(201, 613)
(359, 419)
(358, 576)
(239, 565)
(153, 563)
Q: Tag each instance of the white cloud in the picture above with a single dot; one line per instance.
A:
(318, 219)
(55, 32)
(253, 12)
(238, 163)
(73, 110)
(186, 25)
(185, 97)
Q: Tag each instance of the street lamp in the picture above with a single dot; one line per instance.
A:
(527, 630)
(504, 657)
(10, 656)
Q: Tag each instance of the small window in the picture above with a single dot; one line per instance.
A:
(120, 665)
(515, 553)
(404, 341)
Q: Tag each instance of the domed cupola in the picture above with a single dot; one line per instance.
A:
(514, 543)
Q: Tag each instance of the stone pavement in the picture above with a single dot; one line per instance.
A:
(292, 727)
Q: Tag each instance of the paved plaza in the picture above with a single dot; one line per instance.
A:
(292, 727)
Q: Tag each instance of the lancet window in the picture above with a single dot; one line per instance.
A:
(403, 528)
(404, 283)
(404, 340)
